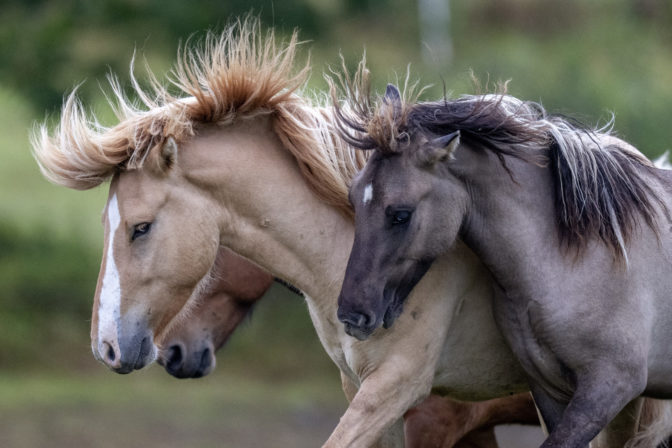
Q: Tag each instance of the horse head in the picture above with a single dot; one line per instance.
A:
(161, 240)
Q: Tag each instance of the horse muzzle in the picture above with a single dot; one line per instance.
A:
(182, 362)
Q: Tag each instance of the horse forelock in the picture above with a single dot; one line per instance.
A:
(365, 122)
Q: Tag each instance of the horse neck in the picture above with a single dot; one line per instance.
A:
(510, 215)
(268, 213)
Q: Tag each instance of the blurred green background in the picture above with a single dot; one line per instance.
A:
(274, 386)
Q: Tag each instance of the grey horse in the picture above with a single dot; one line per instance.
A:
(575, 230)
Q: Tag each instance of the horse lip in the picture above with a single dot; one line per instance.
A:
(124, 369)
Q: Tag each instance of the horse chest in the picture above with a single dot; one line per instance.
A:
(528, 340)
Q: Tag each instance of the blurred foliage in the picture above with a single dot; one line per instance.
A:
(584, 59)
(46, 45)
(43, 280)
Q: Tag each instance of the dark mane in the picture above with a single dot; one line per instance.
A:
(601, 184)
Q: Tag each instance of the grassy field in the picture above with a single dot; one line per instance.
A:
(149, 409)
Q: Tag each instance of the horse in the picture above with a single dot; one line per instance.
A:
(187, 349)
(573, 226)
(245, 161)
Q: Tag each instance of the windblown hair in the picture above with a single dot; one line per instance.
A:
(240, 74)
(602, 184)
(364, 123)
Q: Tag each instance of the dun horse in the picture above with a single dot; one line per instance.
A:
(574, 227)
(244, 161)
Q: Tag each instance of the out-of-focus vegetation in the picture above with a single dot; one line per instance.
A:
(585, 59)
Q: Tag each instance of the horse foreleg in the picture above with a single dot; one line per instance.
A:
(393, 435)
(622, 428)
(593, 405)
(375, 413)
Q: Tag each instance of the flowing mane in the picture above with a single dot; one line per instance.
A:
(240, 74)
(601, 185)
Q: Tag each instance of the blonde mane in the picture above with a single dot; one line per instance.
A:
(241, 73)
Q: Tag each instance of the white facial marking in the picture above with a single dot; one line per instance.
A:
(110, 293)
(368, 194)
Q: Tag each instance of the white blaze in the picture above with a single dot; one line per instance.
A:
(110, 293)
(368, 193)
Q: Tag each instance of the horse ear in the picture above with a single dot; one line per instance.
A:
(393, 98)
(392, 94)
(168, 155)
(442, 148)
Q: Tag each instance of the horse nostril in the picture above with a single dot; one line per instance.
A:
(110, 354)
(174, 358)
(358, 320)
(361, 320)
(204, 365)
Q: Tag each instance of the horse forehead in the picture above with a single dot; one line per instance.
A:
(135, 190)
(392, 179)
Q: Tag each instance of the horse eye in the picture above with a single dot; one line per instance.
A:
(401, 217)
(140, 229)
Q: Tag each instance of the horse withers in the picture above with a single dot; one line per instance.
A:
(572, 223)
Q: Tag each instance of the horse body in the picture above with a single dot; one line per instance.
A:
(567, 309)
(548, 304)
